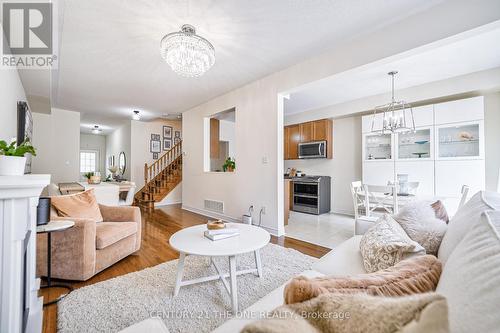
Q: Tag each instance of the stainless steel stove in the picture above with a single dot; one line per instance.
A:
(311, 194)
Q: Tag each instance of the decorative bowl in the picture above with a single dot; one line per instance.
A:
(215, 225)
(421, 142)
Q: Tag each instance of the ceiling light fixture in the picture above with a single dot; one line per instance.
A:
(397, 115)
(96, 130)
(188, 54)
(136, 115)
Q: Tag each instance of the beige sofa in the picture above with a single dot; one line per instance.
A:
(87, 248)
(470, 253)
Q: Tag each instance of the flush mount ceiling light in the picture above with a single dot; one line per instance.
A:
(136, 115)
(188, 54)
(397, 115)
(96, 130)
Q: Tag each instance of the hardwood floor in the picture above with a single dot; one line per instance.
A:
(157, 227)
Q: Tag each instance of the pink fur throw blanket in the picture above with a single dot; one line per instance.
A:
(414, 275)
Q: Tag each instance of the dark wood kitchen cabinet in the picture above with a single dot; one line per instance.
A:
(318, 130)
(307, 131)
(291, 139)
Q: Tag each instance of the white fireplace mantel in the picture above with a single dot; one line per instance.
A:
(18, 200)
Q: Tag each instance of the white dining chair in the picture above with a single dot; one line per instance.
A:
(498, 184)
(382, 198)
(360, 200)
(463, 195)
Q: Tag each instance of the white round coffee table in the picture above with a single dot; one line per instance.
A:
(191, 241)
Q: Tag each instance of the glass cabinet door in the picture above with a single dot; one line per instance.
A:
(378, 147)
(459, 141)
(415, 144)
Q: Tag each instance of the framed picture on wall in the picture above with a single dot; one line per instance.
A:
(177, 134)
(155, 156)
(167, 132)
(177, 140)
(167, 144)
(155, 146)
(155, 137)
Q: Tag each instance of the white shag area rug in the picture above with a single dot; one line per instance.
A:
(115, 304)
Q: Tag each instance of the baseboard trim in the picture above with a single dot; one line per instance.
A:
(158, 204)
(224, 218)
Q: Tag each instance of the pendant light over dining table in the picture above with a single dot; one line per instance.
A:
(397, 115)
(188, 54)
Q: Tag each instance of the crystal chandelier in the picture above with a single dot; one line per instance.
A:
(188, 54)
(397, 115)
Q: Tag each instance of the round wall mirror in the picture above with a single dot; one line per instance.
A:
(122, 163)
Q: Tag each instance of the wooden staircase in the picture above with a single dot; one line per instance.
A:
(160, 178)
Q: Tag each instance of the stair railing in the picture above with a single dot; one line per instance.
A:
(166, 161)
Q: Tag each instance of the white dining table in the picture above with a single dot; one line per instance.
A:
(450, 203)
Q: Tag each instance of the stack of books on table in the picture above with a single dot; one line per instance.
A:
(218, 234)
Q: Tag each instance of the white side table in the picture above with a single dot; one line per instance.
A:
(191, 241)
(49, 228)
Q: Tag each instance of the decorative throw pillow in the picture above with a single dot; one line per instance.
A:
(471, 277)
(410, 276)
(385, 244)
(460, 224)
(346, 313)
(440, 211)
(79, 205)
(420, 223)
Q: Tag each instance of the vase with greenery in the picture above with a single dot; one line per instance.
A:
(88, 176)
(229, 165)
(13, 157)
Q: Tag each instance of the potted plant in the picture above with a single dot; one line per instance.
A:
(229, 165)
(13, 159)
(89, 176)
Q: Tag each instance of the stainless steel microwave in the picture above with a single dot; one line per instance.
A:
(316, 149)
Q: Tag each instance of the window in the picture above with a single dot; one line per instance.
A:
(88, 161)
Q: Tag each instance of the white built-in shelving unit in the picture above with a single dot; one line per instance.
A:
(445, 152)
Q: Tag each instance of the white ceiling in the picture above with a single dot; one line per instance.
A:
(472, 52)
(110, 62)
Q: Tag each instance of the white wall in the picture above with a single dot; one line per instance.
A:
(492, 139)
(11, 91)
(140, 147)
(258, 179)
(117, 142)
(343, 168)
(98, 143)
(57, 139)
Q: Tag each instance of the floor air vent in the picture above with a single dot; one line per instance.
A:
(214, 206)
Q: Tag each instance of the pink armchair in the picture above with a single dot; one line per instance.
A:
(87, 248)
